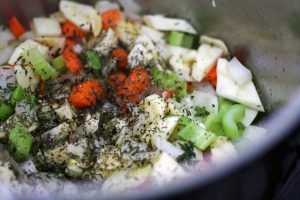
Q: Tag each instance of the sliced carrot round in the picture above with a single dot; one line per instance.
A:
(110, 18)
(71, 30)
(71, 60)
(86, 94)
(138, 81)
(121, 57)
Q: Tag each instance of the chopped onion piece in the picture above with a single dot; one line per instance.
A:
(215, 42)
(165, 146)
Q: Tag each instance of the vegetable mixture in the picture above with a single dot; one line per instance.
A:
(125, 100)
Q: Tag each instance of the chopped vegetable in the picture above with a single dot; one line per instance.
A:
(212, 76)
(110, 18)
(122, 58)
(227, 88)
(137, 82)
(59, 64)
(21, 141)
(165, 80)
(79, 14)
(181, 91)
(86, 94)
(72, 61)
(162, 23)
(46, 26)
(188, 41)
(93, 60)
(17, 95)
(201, 138)
(176, 38)
(206, 59)
(5, 111)
(234, 115)
(16, 27)
(17, 56)
(39, 63)
(72, 31)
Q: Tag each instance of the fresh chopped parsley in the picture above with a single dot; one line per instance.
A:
(188, 153)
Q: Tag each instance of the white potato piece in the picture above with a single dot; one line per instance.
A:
(58, 42)
(26, 77)
(207, 56)
(65, 112)
(23, 47)
(62, 130)
(166, 170)
(143, 53)
(238, 72)
(154, 107)
(181, 68)
(160, 128)
(204, 39)
(81, 15)
(125, 180)
(162, 23)
(46, 26)
(226, 87)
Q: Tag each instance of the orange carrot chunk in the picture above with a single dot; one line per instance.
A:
(71, 60)
(121, 57)
(138, 81)
(16, 27)
(71, 30)
(110, 18)
(86, 94)
(69, 43)
(212, 76)
(116, 81)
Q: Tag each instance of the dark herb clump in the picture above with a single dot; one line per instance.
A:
(188, 153)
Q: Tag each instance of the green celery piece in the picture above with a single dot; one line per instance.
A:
(188, 41)
(59, 64)
(212, 124)
(93, 59)
(165, 80)
(41, 66)
(21, 140)
(230, 120)
(201, 138)
(32, 102)
(176, 38)
(201, 111)
(224, 105)
(181, 91)
(17, 95)
(5, 111)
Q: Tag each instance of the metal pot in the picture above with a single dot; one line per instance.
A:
(269, 33)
